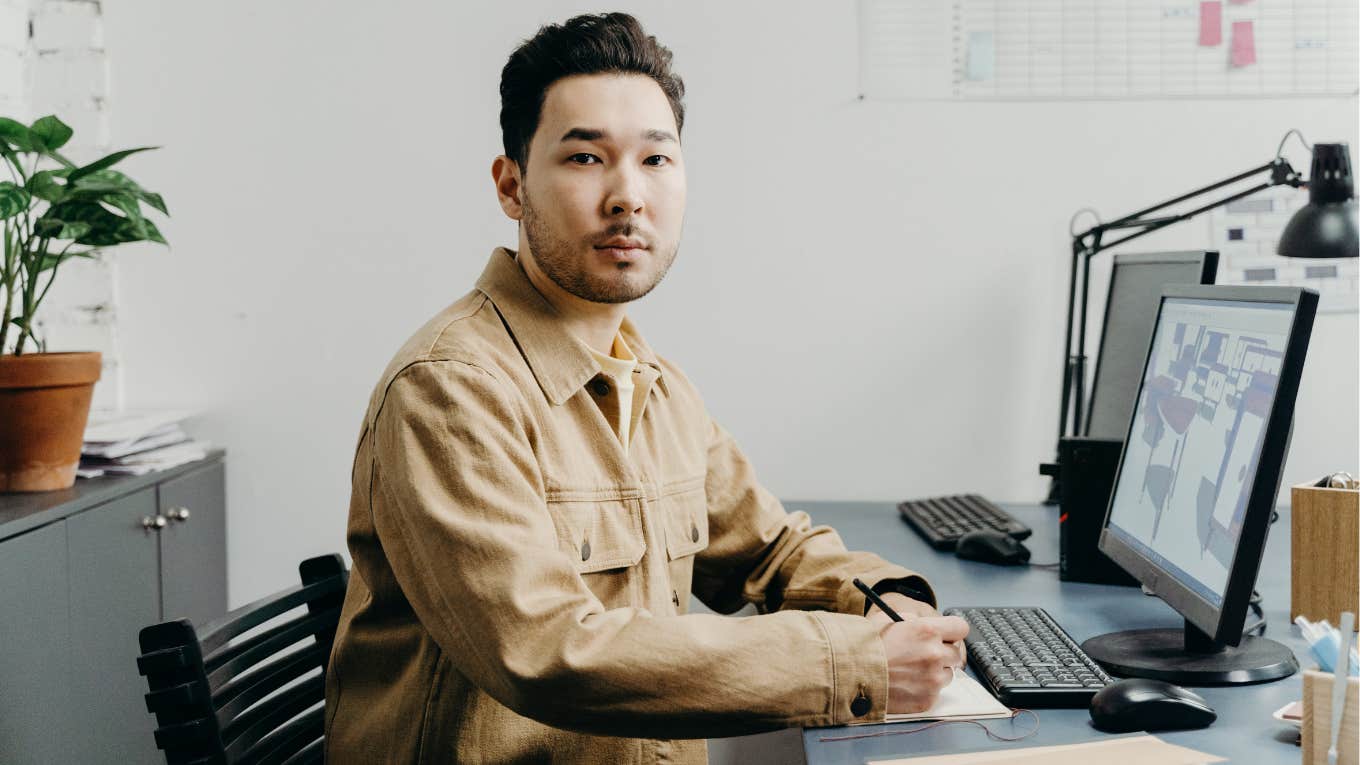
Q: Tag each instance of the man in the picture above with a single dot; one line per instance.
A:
(536, 494)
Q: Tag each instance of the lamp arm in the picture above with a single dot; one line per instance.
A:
(1281, 173)
(1091, 242)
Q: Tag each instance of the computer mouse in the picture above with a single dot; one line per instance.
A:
(991, 546)
(1142, 704)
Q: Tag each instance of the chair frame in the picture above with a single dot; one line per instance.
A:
(219, 703)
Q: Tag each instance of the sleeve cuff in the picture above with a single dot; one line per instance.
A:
(885, 578)
(859, 670)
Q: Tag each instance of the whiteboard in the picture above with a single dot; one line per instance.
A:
(1107, 49)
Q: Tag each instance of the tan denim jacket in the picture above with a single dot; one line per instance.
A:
(520, 584)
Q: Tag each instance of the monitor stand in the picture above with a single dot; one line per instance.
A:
(1190, 657)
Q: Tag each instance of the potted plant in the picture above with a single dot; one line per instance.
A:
(52, 211)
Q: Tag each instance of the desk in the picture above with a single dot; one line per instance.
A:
(1244, 731)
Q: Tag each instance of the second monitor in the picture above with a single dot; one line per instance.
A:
(1136, 282)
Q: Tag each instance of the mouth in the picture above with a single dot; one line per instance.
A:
(621, 250)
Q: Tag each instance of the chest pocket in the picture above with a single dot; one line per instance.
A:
(599, 534)
(684, 511)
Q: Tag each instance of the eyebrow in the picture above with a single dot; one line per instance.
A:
(593, 134)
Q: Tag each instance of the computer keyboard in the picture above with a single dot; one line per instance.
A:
(1026, 660)
(942, 520)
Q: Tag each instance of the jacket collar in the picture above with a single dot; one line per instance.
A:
(560, 362)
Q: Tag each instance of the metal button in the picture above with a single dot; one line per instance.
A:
(861, 705)
(599, 387)
(693, 532)
(585, 550)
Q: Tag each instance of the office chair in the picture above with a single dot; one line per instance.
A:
(248, 687)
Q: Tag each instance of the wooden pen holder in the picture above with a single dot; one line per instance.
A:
(1317, 720)
(1325, 552)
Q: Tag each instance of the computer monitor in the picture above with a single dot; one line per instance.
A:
(1198, 477)
(1136, 282)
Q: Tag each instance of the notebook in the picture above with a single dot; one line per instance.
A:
(963, 699)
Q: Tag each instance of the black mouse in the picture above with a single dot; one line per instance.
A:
(1141, 704)
(991, 546)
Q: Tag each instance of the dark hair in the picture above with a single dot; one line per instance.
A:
(609, 43)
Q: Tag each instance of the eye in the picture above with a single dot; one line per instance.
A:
(657, 160)
(584, 159)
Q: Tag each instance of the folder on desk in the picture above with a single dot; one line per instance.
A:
(1136, 749)
(963, 699)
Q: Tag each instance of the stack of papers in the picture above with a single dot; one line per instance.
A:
(136, 443)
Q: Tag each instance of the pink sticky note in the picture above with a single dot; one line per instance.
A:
(1243, 43)
(1210, 23)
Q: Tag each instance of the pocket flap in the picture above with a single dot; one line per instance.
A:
(684, 511)
(599, 534)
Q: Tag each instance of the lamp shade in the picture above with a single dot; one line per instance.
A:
(1325, 227)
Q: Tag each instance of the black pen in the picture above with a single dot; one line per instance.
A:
(873, 598)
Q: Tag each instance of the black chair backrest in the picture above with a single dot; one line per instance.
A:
(249, 687)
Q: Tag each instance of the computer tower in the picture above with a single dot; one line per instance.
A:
(1086, 476)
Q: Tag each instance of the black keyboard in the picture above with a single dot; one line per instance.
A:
(1026, 660)
(942, 520)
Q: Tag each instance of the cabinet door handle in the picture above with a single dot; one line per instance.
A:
(179, 513)
(151, 524)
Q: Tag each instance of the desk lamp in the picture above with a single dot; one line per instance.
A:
(1324, 228)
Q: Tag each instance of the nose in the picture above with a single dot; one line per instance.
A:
(625, 193)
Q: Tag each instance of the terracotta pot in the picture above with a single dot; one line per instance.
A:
(44, 403)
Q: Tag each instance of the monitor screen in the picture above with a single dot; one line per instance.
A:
(1196, 437)
(1136, 282)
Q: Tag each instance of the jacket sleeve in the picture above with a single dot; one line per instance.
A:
(759, 553)
(459, 509)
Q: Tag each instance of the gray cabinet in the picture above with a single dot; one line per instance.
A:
(81, 572)
(115, 591)
(34, 628)
(193, 542)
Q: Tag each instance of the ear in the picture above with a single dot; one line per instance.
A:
(505, 173)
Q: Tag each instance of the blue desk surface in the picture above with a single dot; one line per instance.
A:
(1244, 731)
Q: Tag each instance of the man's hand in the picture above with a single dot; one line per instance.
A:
(922, 651)
(908, 609)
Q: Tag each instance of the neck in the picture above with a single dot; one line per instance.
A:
(595, 324)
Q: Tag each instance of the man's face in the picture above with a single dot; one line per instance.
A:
(604, 195)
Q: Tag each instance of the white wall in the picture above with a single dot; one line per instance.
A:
(870, 294)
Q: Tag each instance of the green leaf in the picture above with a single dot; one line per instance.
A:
(112, 180)
(105, 228)
(52, 259)
(51, 228)
(13, 200)
(153, 234)
(74, 219)
(125, 231)
(50, 133)
(43, 185)
(109, 161)
(126, 203)
(15, 135)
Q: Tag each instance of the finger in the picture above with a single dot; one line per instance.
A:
(946, 676)
(951, 629)
(961, 651)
